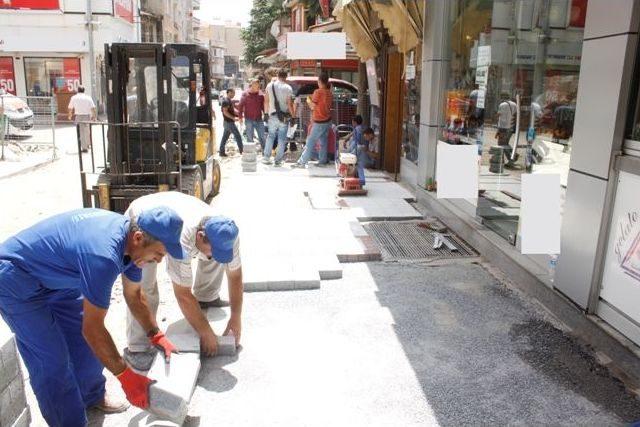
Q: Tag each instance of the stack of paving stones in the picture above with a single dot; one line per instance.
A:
(175, 382)
(249, 158)
(14, 411)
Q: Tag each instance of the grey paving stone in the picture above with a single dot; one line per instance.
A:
(256, 286)
(331, 273)
(249, 157)
(7, 416)
(24, 419)
(9, 364)
(169, 397)
(226, 345)
(281, 285)
(183, 336)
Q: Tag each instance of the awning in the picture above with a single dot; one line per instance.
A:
(403, 20)
(354, 16)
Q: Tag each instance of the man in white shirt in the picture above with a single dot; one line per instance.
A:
(83, 108)
(278, 91)
(214, 241)
(507, 115)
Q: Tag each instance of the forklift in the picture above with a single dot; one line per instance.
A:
(160, 133)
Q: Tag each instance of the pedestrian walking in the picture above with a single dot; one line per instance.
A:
(230, 118)
(55, 288)
(251, 110)
(213, 241)
(82, 107)
(507, 113)
(278, 101)
(320, 104)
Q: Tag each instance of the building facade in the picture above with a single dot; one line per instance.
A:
(46, 51)
(562, 77)
(213, 36)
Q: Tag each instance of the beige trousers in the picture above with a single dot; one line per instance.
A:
(206, 287)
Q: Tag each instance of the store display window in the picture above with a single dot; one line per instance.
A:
(511, 91)
(51, 76)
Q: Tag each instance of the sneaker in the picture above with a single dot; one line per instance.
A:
(266, 161)
(321, 165)
(298, 165)
(277, 164)
(111, 405)
(140, 360)
(215, 303)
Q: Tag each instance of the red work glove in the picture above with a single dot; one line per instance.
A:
(136, 387)
(162, 343)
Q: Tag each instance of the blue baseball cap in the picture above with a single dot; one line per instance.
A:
(165, 225)
(222, 233)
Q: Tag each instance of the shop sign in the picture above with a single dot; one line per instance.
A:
(282, 45)
(482, 75)
(71, 73)
(340, 64)
(124, 9)
(484, 56)
(621, 276)
(30, 4)
(7, 76)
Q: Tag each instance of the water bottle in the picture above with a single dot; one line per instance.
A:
(552, 267)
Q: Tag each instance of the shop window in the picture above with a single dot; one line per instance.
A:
(511, 91)
(52, 76)
(411, 110)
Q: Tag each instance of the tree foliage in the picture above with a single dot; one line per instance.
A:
(256, 36)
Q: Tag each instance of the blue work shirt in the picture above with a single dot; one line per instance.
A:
(356, 139)
(81, 249)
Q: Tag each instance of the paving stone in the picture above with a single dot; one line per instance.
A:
(6, 408)
(169, 396)
(331, 272)
(248, 147)
(24, 419)
(256, 286)
(183, 336)
(9, 363)
(249, 157)
(226, 345)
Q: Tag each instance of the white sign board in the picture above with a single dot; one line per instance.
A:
(484, 56)
(480, 99)
(372, 81)
(457, 171)
(302, 45)
(482, 75)
(540, 214)
(410, 73)
(621, 276)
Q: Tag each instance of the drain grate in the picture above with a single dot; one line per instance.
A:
(405, 240)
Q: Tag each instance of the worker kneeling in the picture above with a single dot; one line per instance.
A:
(55, 289)
(214, 241)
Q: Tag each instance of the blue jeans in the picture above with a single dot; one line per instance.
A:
(230, 128)
(363, 161)
(258, 126)
(65, 374)
(318, 131)
(279, 128)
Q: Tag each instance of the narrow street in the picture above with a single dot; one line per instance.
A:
(390, 343)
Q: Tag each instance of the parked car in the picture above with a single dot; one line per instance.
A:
(18, 113)
(215, 94)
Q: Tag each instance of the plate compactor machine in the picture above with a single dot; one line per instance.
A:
(159, 135)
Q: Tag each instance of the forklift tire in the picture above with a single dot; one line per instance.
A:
(192, 183)
(217, 178)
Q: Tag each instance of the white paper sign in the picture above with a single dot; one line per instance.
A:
(457, 171)
(484, 56)
(480, 99)
(372, 81)
(303, 45)
(410, 72)
(482, 75)
(540, 214)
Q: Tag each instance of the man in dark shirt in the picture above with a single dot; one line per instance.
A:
(252, 111)
(229, 124)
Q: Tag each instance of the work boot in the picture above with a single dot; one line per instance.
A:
(217, 303)
(140, 360)
(111, 405)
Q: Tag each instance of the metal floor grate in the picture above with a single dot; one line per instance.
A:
(405, 240)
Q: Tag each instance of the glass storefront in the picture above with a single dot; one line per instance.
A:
(411, 110)
(511, 91)
(52, 76)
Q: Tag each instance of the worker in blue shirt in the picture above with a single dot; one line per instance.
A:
(55, 288)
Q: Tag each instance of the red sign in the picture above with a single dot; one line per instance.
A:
(340, 64)
(578, 13)
(71, 74)
(124, 9)
(30, 4)
(7, 76)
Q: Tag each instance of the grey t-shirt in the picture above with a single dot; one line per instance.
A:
(283, 92)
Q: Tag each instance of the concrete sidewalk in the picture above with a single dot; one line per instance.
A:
(388, 343)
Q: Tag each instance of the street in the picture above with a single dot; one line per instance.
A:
(390, 343)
